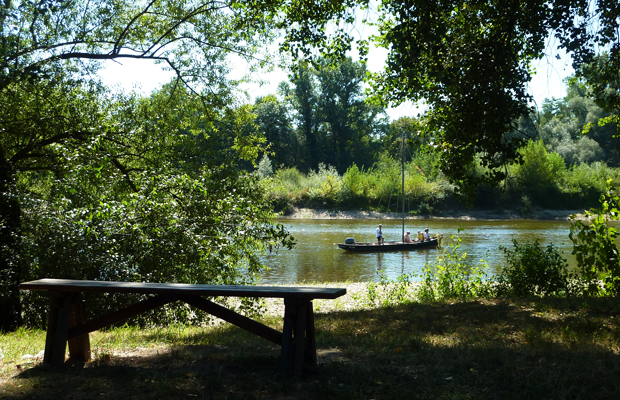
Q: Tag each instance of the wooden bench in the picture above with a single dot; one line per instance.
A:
(67, 317)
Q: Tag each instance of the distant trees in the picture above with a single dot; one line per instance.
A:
(562, 123)
(470, 62)
(273, 120)
(334, 124)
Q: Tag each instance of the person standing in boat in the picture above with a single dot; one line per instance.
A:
(380, 239)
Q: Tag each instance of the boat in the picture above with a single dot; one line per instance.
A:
(351, 245)
(435, 241)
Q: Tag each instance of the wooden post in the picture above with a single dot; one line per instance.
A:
(298, 351)
(300, 337)
(57, 329)
(79, 346)
(287, 338)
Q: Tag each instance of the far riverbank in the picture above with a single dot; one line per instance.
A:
(538, 214)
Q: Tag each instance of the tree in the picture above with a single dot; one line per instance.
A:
(540, 172)
(469, 61)
(340, 128)
(562, 127)
(348, 122)
(272, 119)
(603, 78)
(155, 218)
(303, 97)
(43, 122)
(49, 47)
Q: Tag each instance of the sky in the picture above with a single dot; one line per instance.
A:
(145, 76)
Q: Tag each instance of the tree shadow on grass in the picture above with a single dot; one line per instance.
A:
(488, 349)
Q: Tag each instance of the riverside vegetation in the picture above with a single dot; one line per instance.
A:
(542, 180)
(452, 333)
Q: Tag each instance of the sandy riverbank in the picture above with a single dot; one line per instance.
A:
(307, 213)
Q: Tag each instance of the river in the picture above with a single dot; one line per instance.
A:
(316, 258)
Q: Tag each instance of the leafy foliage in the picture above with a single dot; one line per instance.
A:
(540, 172)
(595, 247)
(470, 62)
(453, 277)
(376, 188)
(335, 123)
(173, 229)
(126, 202)
(53, 121)
(535, 271)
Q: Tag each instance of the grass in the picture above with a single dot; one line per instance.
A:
(477, 349)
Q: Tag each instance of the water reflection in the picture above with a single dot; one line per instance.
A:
(316, 258)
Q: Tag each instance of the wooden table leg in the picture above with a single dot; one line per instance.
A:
(79, 346)
(57, 329)
(310, 357)
(287, 339)
(298, 338)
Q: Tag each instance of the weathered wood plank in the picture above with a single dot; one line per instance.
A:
(67, 317)
(79, 346)
(58, 324)
(69, 285)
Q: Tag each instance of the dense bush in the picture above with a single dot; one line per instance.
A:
(378, 188)
(531, 270)
(540, 173)
(453, 276)
(542, 180)
(583, 184)
(153, 235)
(595, 244)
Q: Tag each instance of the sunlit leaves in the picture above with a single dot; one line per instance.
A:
(595, 247)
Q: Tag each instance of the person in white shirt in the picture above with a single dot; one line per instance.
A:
(427, 236)
(380, 239)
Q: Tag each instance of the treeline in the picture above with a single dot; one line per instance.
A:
(322, 116)
(328, 146)
(543, 180)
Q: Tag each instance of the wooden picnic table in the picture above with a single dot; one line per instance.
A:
(67, 316)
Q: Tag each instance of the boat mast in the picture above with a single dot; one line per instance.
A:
(402, 161)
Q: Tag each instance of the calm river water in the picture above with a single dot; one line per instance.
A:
(316, 258)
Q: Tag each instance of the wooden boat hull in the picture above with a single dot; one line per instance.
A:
(389, 246)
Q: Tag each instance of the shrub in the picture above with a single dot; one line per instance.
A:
(453, 276)
(595, 245)
(352, 188)
(540, 172)
(534, 271)
(585, 183)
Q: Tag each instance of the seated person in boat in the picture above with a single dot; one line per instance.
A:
(427, 236)
(420, 236)
(407, 238)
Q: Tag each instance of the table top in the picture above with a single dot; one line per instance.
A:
(71, 285)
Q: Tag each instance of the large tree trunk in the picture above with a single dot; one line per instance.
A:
(10, 270)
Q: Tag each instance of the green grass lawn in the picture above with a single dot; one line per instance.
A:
(476, 349)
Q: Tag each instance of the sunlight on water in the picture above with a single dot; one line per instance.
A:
(316, 258)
